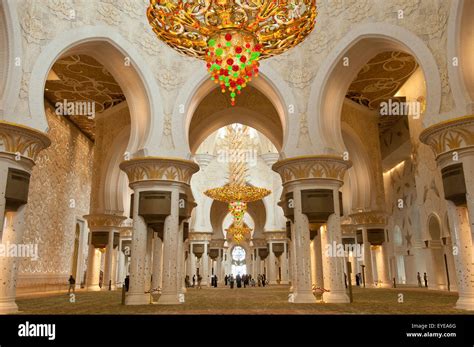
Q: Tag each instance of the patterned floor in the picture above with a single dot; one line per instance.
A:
(269, 300)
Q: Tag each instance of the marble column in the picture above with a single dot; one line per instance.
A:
(384, 271)
(157, 262)
(463, 255)
(284, 265)
(293, 259)
(180, 266)
(108, 267)
(307, 173)
(303, 292)
(318, 257)
(334, 274)
(271, 265)
(136, 292)
(20, 147)
(193, 262)
(13, 228)
(452, 143)
(170, 175)
(205, 265)
(93, 268)
(169, 292)
(219, 267)
(108, 224)
(369, 278)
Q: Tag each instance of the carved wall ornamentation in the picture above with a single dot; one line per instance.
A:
(59, 194)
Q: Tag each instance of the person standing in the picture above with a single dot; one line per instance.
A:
(357, 280)
(194, 281)
(231, 280)
(72, 285)
(127, 282)
(264, 280)
(419, 279)
(425, 277)
(225, 280)
(199, 282)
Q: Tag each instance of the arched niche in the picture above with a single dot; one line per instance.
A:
(339, 69)
(122, 61)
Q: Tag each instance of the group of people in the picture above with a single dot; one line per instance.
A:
(198, 278)
(244, 280)
(425, 278)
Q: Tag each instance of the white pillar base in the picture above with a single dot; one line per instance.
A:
(385, 285)
(284, 282)
(304, 298)
(273, 282)
(94, 288)
(465, 303)
(137, 299)
(335, 298)
(168, 299)
(8, 307)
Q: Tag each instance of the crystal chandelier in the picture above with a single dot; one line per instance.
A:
(232, 36)
(237, 193)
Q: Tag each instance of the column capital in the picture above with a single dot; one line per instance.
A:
(369, 219)
(19, 139)
(319, 167)
(270, 158)
(159, 169)
(196, 236)
(259, 243)
(275, 235)
(109, 221)
(217, 243)
(451, 135)
(203, 159)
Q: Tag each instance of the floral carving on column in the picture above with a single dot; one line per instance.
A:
(454, 134)
(312, 167)
(159, 169)
(20, 140)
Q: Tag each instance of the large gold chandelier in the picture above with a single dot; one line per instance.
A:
(237, 193)
(232, 36)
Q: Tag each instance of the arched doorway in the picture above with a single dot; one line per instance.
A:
(436, 261)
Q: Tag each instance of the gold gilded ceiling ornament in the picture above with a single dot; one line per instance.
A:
(232, 36)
